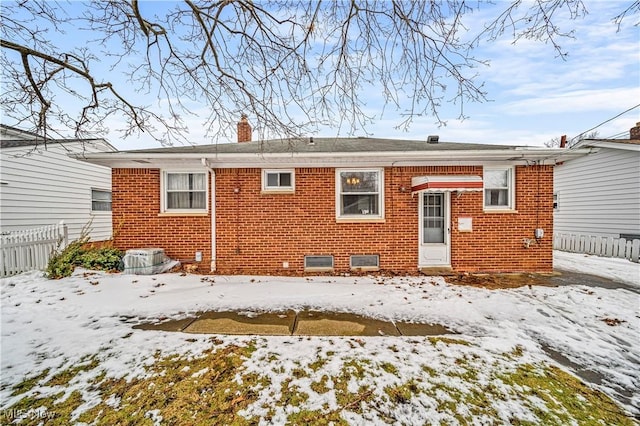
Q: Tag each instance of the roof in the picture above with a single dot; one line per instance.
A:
(12, 137)
(624, 144)
(330, 152)
(17, 143)
(326, 145)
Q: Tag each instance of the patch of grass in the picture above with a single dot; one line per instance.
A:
(402, 394)
(64, 377)
(448, 341)
(430, 371)
(58, 409)
(566, 398)
(317, 364)
(27, 384)
(214, 397)
(353, 369)
(465, 391)
(317, 417)
(517, 352)
(291, 394)
(320, 386)
(299, 373)
(389, 368)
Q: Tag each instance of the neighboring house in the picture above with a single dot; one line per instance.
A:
(338, 204)
(599, 195)
(41, 185)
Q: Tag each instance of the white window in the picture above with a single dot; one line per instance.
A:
(499, 188)
(359, 194)
(100, 200)
(184, 192)
(278, 180)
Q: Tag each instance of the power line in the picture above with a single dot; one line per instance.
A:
(618, 135)
(606, 121)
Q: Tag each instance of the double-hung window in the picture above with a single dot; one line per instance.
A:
(499, 188)
(100, 200)
(185, 192)
(359, 194)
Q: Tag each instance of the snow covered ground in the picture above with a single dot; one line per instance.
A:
(55, 324)
(620, 270)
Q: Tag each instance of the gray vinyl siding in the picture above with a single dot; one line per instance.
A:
(43, 187)
(599, 194)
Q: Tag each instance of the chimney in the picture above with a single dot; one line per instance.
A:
(244, 129)
(563, 141)
(634, 132)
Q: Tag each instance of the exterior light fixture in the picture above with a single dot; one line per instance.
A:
(353, 180)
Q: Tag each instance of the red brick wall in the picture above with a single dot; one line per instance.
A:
(137, 222)
(256, 232)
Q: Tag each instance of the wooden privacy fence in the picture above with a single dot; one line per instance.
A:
(30, 249)
(599, 246)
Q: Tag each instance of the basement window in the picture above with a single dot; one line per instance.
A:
(278, 181)
(318, 263)
(365, 262)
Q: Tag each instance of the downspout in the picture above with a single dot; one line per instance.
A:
(213, 213)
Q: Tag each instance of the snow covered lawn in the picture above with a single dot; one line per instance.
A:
(69, 353)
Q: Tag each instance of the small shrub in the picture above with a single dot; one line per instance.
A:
(63, 263)
(104, 258)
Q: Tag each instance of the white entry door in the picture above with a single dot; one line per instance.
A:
(434, 224)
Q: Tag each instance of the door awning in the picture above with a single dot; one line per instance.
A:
(446, 183)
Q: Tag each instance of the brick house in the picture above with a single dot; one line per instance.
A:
(338, 204)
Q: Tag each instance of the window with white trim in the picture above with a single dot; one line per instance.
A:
(359, 193)
(100, 200)
(185, 192)
(499, 188)
(278, 180)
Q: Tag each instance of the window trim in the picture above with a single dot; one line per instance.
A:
(360, 217)
(278, 189)
(98, 212)
(163, 191)
(511, 206)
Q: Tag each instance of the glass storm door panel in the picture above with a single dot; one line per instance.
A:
(434, 229)
(433, 218)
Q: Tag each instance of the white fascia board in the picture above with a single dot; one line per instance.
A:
(605, 144)
(330, 159)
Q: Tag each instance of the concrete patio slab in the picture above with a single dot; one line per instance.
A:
(312, 323)
(266, 324)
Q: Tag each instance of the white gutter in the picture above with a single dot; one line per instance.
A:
(381, 158)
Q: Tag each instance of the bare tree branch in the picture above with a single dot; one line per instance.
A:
(292, 66)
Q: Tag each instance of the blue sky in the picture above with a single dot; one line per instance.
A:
(534, 95)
